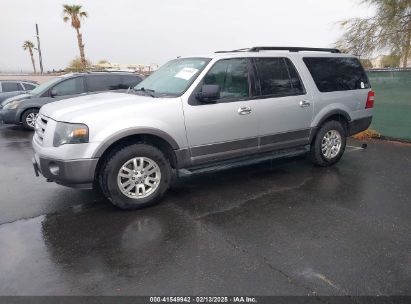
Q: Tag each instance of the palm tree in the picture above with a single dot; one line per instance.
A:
(74, 14)
(28, 45)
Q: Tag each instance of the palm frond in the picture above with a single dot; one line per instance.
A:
(28, 45)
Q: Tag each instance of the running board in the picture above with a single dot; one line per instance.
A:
(243, 161)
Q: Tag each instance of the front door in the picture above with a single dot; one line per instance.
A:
(227, 127)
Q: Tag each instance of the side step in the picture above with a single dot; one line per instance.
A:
(243, 161)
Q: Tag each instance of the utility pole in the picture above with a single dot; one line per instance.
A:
(38, 48)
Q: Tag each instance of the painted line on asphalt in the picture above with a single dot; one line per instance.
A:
(354, 148)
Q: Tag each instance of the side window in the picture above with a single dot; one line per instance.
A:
(337, 73)
(28, 86)
(232, 77)
(103, 82)
(278, 76)
(130, 81)
(69, 87)
(11, 86)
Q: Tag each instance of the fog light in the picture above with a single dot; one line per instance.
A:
(54, 168)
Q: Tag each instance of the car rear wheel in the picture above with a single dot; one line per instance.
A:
(28, 118)
(135, 176)
(329, 144)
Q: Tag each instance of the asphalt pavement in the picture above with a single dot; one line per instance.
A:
(277, 228)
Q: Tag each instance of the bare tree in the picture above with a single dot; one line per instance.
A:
(389, 29)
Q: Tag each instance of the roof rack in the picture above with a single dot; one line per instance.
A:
(292, 49)
(104, 71)
(234, 51)
(282, 48)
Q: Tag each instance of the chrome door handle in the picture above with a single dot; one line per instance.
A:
(304, 103)
(244, 110)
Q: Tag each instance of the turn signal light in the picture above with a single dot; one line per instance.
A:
(80, 132)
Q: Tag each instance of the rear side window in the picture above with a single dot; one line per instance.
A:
(11, 86)
(278, 76)
(337, 74)
(130, 81)
(29, 86)
(103, 82)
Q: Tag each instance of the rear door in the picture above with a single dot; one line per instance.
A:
(284, 109)
(103, 82)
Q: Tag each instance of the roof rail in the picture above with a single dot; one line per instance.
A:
(103, 71)
(292, 49)
(234, 51)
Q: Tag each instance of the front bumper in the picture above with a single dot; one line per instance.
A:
(9, 116)
(71, 173)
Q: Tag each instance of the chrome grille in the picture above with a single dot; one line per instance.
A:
(41, 124)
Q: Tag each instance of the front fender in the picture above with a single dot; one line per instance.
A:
(134, 131)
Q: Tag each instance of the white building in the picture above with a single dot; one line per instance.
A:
(141, 68)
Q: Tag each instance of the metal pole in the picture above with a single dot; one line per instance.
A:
(38, 48)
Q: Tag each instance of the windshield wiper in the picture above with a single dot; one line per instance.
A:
(146, 91)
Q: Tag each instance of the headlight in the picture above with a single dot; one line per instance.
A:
(68, 133)
(12, 104)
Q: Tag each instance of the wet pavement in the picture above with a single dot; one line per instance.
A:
(278, 228)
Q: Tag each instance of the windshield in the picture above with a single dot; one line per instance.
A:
(174, 77)
(44, 86)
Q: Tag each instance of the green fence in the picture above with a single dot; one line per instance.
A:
(392, 109)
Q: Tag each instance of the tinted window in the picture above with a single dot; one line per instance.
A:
(11, 86)
(337, 74)
(278, 76)
(232, 77)
(69, 87)
(103, 82)
(29, 86)
(130, 81)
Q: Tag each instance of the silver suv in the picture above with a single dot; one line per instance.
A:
(206, 113)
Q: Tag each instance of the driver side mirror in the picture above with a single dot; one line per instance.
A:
(209, 93)
(53, 93)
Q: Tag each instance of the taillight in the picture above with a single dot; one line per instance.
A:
(370, 100)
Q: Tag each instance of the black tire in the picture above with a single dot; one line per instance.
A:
(26, 115)
(114, 162)
(316, 154)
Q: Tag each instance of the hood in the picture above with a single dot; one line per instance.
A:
(16, 97)
(92, 107)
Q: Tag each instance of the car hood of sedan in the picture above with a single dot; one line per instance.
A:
(17, 97)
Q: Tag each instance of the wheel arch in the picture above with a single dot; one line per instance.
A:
(159, 139)
(337, 115)
(23, 111)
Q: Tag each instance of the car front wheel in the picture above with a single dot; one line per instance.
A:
(135, 176)
(29, 118)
